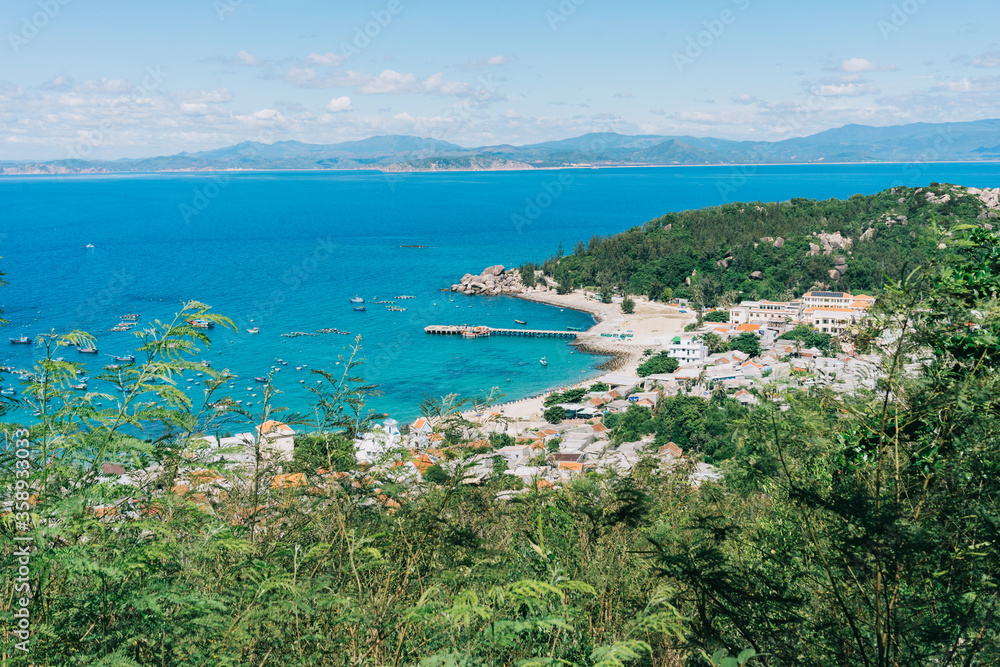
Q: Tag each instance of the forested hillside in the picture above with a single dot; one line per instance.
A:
(772, 250)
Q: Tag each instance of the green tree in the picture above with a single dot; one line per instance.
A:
(717, 316)
(661, 363)
(747, 342)
(628, 305)
(555, 414)
(714, 342)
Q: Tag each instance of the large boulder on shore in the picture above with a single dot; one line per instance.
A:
(492, 281)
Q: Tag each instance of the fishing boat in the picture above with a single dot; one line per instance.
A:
(259, 379)
(520, 321)
(201, 324)
(254, 330)
(87, 350)
(128, 359)
(90, 245)
(112, 367)
(22, 340)
(574, 328)
(360, 309)
(206, 363)
(79, 387)
(130, 317)
(357, 299)
(543, 362)
(8, 391)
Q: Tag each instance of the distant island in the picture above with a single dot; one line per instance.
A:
(915, 142)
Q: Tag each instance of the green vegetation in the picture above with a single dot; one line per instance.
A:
(527, 272)
(599, 387)
(845, 530)
(628, 305)
(662, 254)
(806, 337)
(717, 316)
(555, 414)
(747, 342)
(696, 425)
(661, 363)
(568, 396)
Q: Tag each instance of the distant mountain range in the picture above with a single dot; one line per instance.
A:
(969, 141)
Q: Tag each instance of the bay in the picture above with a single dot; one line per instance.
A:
(285, 252)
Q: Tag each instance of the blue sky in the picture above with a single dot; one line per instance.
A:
(134, 78)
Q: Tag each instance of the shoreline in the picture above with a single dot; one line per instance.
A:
(652, 323)
(470, 171)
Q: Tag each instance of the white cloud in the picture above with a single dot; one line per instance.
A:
(624, 96)
(864, 65)
(327, 59)
(492, 61)
(846, 90)
(988, 59)
(299, 74)
(745, 99)
(391, 82)
(217, 96)
(983, 84)
(339, 104)
(244, 58)
(104, 86)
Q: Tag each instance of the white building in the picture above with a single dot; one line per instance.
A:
(687, 349)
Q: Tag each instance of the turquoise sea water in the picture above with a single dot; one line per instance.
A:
(287, 251)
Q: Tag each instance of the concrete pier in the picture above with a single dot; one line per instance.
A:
(477, 331)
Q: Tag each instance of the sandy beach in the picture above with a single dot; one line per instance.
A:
(652, 325)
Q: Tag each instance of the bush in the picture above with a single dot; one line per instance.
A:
(808, 337)
(498, 440)
(436, 475)
(599, 387)
(661, 363)
(554, 415)
(717, 316)
(628, 305)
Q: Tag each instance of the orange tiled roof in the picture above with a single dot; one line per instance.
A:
(422, 463)
(570, 465)
(288, 481)
(272, 425)
(748, 327)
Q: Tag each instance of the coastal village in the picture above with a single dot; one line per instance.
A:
(541, 454)
(550, 454)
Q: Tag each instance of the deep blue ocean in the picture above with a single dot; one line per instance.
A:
(285, 252)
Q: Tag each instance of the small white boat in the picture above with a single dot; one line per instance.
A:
(90, 245)
(357, 299)
(543, 362)
(254, 330)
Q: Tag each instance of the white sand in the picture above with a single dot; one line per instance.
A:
(652, 324)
